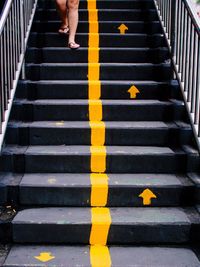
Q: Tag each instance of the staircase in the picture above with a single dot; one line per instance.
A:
(100, 162)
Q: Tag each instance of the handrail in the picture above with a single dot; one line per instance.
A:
(181, 27)
(15, 25)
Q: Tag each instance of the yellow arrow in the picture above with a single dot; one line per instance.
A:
(133, 91)
(45, 256)
(147, 195)
(122, 28)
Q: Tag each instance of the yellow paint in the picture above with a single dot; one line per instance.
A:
(93, 27)
(97, 133)
(98, 159)
(93, 15)
(95, 110)
(94, 90)
(93, 55)
(133, 91)
(122, 28)
(93, 41)
(60, 123)
(45, 257)
(101, 220)
(100, 256)
(93, 71)
(147, 195)
(52, 181)
(99, 190)
(91, 4)
(100, 217)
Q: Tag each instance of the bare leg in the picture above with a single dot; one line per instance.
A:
(63, 11)
(73, 20)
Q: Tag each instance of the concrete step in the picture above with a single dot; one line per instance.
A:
(72, 256)
(118, 159)
(108, 71)
(123, 190)
(128, 225)
(58, 89)
(104, 26)
(106, 55)
(70, 189)
(106, 14)
(53, 39)
(113, 110)
(80, 255)
(155, 133)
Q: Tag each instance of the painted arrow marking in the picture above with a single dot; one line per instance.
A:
(147, 195)
(122, 28)
(133, 91)
(45, 256)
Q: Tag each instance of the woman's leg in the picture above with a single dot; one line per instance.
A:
(73, 21)
(63, 11)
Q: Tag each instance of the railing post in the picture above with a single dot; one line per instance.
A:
(173, 24)
(22, 25)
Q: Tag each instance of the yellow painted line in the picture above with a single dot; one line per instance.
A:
(99, 190)
(93, 70)
(93, 40)
(100, 256)
(95, 110)
(93, 56)
(93, 27)
(100, 217)
(98, 159)
(101, 220)
(97, 133)
(93, 14)
(94, 90)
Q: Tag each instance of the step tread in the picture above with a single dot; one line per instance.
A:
(70, 216)
(109, 124)
(142, 34)
(120, 256)
(135, 82)
(104, 102)
(74, 150)
(94, 64)
(115, 180)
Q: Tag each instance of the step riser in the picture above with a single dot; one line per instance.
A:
(105, 56)
(118, 234)
(127, 72)
(125, 196)
(104, 4)
(103, 15)
(114, 164)
(81, 136)
(70, 90)
(69, 112)
(104, 27)
(109, 40)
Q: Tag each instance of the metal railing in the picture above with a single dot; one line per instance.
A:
(182, 29)
(15, 24)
